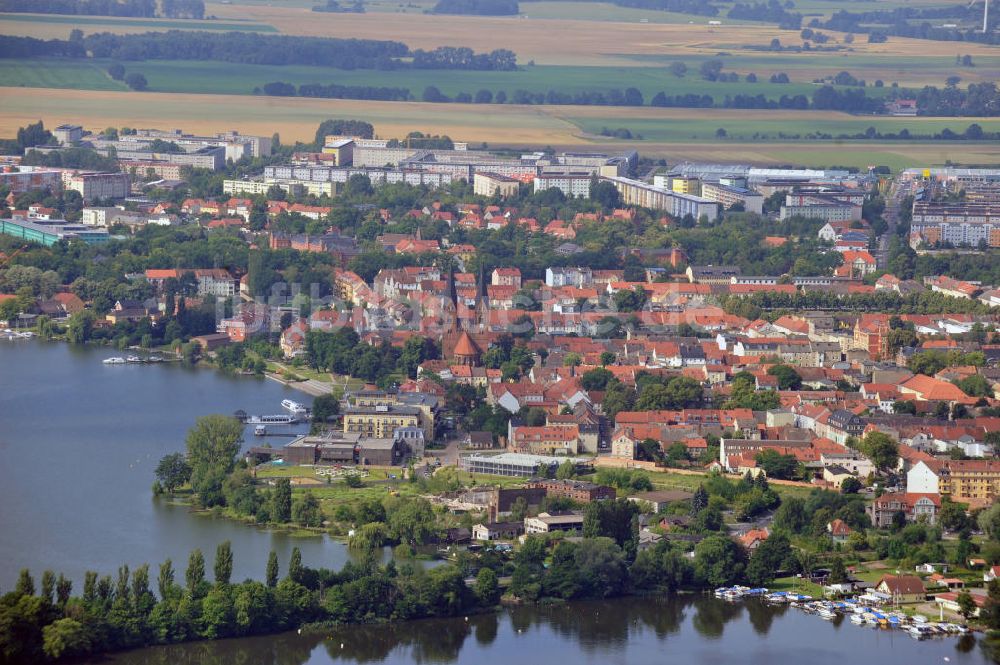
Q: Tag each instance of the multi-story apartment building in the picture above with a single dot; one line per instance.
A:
(961, 224)
(571, 184)
(636, 193)
(730, 196)
(577, 490)
(100, 185)
(488, 184)
(976, 482)
(380, 420)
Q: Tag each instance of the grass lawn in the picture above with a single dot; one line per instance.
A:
(796, 585)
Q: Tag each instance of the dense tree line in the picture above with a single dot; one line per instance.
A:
(258, 49)
(921, 303)
(979, 99)
(135, 8)
(451, 57)
(131, 610)
(132, 8)
(912, 22)
(28, 47)
(344, 353)
(678, 6)
(72, 158)
(477, 7)
(772, 11)
(334, 91)
(334, 7)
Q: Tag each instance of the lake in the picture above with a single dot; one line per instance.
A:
(79, 442)
(629, 631)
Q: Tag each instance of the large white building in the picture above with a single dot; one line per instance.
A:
(961, 224)
(637, 193)
(573, 185)
(488, 184)
(100, 185)
(729, 196)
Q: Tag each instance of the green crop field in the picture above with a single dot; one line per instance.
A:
(111, 22)
(757, 125)
(605, 11)
(224, 78)
(73, 74)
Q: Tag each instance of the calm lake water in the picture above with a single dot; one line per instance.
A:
(631, 631)
(79, 441)
(78, 444)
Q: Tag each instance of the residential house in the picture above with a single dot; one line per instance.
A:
(839, 531)
(902, 588)
(913, 506)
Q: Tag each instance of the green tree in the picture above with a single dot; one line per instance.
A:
(25, 583)
(295, 569)
(966, 605)
(566, 470)
(881, 449)
(306, 511)
(989, 521)
(850, 486)
(281, 501)
(410, 521)
(272, 570)
(838, 573)
(613, 519)
(195, 573)
(952, 516)
(223, 562)
(165, 580)
(767, 559)
(214, 441)
(719, 561)
(776, 465)
(324, 408)
(487, 587)
(65, 637)
(80, 327)
(788, 378)
(173, 471)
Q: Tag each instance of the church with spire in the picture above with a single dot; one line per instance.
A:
(466, 336)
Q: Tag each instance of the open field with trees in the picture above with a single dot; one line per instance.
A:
(296, 119)
(220, 77)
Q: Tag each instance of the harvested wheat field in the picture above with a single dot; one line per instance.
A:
(294, 119)
(566, 126)
(578, 42)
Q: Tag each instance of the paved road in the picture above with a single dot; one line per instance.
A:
(896, 195)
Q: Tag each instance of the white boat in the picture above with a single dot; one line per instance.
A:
(294, 407)
(115, 360)
(260, 430)
(857, 619)
(826, 613)
(133, 359)
(278, 419)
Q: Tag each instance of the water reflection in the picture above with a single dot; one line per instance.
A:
(692, 628)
